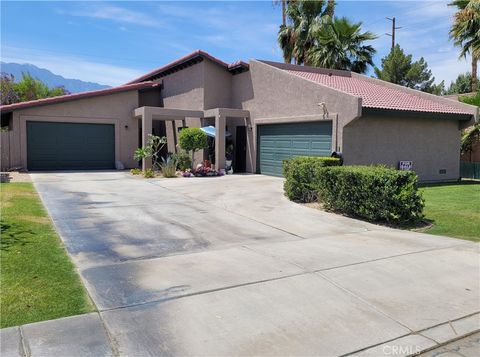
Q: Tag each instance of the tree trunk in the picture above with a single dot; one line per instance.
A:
(474, 73)
(284, 14)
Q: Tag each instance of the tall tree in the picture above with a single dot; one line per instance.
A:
(340, 44)
(29, 88)
(398, 68)
(296, 37)
(465, 32)
(461, 85)
(7, 89)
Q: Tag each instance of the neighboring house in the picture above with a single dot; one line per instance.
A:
(273, 111)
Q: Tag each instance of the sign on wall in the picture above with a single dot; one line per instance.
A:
(405, 165)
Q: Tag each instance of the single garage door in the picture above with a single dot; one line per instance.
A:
(277, 142)
(70, 146)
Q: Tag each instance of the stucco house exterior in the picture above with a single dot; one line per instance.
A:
(272, 111)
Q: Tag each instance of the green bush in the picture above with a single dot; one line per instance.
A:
(135, 171)
(149, 173)
(192, 139)
(301, 173)
(375, 193)
(182, 159)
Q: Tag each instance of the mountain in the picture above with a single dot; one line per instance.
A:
(49, 78)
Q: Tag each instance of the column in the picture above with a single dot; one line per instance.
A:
(220, 142)
(146, 130)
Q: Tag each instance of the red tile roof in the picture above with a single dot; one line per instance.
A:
(65, 98)
(187, 58)
(376, 95)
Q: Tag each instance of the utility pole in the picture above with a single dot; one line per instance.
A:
(393, 30)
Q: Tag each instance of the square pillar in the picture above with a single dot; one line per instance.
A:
(171, 137)
(219, 142)
(146, 130)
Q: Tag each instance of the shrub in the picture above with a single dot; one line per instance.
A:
(152, 149)
(149, 173)
(182, 160)
(301, 173)
(135, 171)
(168, 167)
(193, 139)
(376, 193)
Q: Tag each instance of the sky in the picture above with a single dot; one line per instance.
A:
(113, 42)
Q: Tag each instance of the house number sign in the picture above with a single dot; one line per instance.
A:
(405, 165)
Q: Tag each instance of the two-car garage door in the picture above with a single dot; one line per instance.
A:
(277, 142)
(70, 146)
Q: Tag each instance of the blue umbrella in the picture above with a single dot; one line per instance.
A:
(210, 131)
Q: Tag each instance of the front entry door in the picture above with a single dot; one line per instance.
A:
(239, 164)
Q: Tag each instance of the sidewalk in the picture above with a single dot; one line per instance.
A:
(86, 335)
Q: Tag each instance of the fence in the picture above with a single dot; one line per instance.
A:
(470, 170)
(5, 150)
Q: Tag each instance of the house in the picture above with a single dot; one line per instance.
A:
(272, 111)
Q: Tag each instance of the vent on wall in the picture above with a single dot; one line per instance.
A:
(442, 171)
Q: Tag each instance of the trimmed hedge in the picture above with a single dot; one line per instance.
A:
(375, 193)
(301, 174)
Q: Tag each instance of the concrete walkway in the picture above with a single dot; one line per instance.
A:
(228, 266)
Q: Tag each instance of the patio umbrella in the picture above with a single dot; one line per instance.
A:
(210, 131)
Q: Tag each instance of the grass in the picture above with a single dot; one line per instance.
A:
(453, 209)
(38, 281)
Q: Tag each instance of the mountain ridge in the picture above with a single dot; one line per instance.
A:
(48, 77)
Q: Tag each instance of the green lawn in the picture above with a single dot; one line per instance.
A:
(454, 209)
(38, 281)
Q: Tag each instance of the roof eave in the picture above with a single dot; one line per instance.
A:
(75, 96)
(417, 113)
(236, 67)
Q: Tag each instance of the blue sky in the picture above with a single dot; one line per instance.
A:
(112, 42)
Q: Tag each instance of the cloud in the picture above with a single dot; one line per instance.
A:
(71, 66)
(427, 10)
(231, 25)
(113, 13)
(448, 69)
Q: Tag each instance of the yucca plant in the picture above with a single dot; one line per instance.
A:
(168, 166)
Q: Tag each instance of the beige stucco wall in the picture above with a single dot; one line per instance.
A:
(432, 144)
(113, 109)
(184, 89)
(274, 95)
(202, 86)
(217, 86)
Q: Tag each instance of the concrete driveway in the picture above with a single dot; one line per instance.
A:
(228, 266)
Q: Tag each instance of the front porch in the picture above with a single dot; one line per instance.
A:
(221, 118)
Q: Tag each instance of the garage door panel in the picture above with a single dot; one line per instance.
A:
(278, 142)
(70, 146)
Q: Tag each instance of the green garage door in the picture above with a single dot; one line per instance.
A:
(277, 142)
(70, 146)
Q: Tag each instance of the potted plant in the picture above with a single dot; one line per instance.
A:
(229, 157)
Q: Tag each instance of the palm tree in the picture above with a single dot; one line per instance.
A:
(340, 45)
(465, 32)
(295, 39)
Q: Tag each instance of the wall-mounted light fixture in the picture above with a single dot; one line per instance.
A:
(324, 108)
